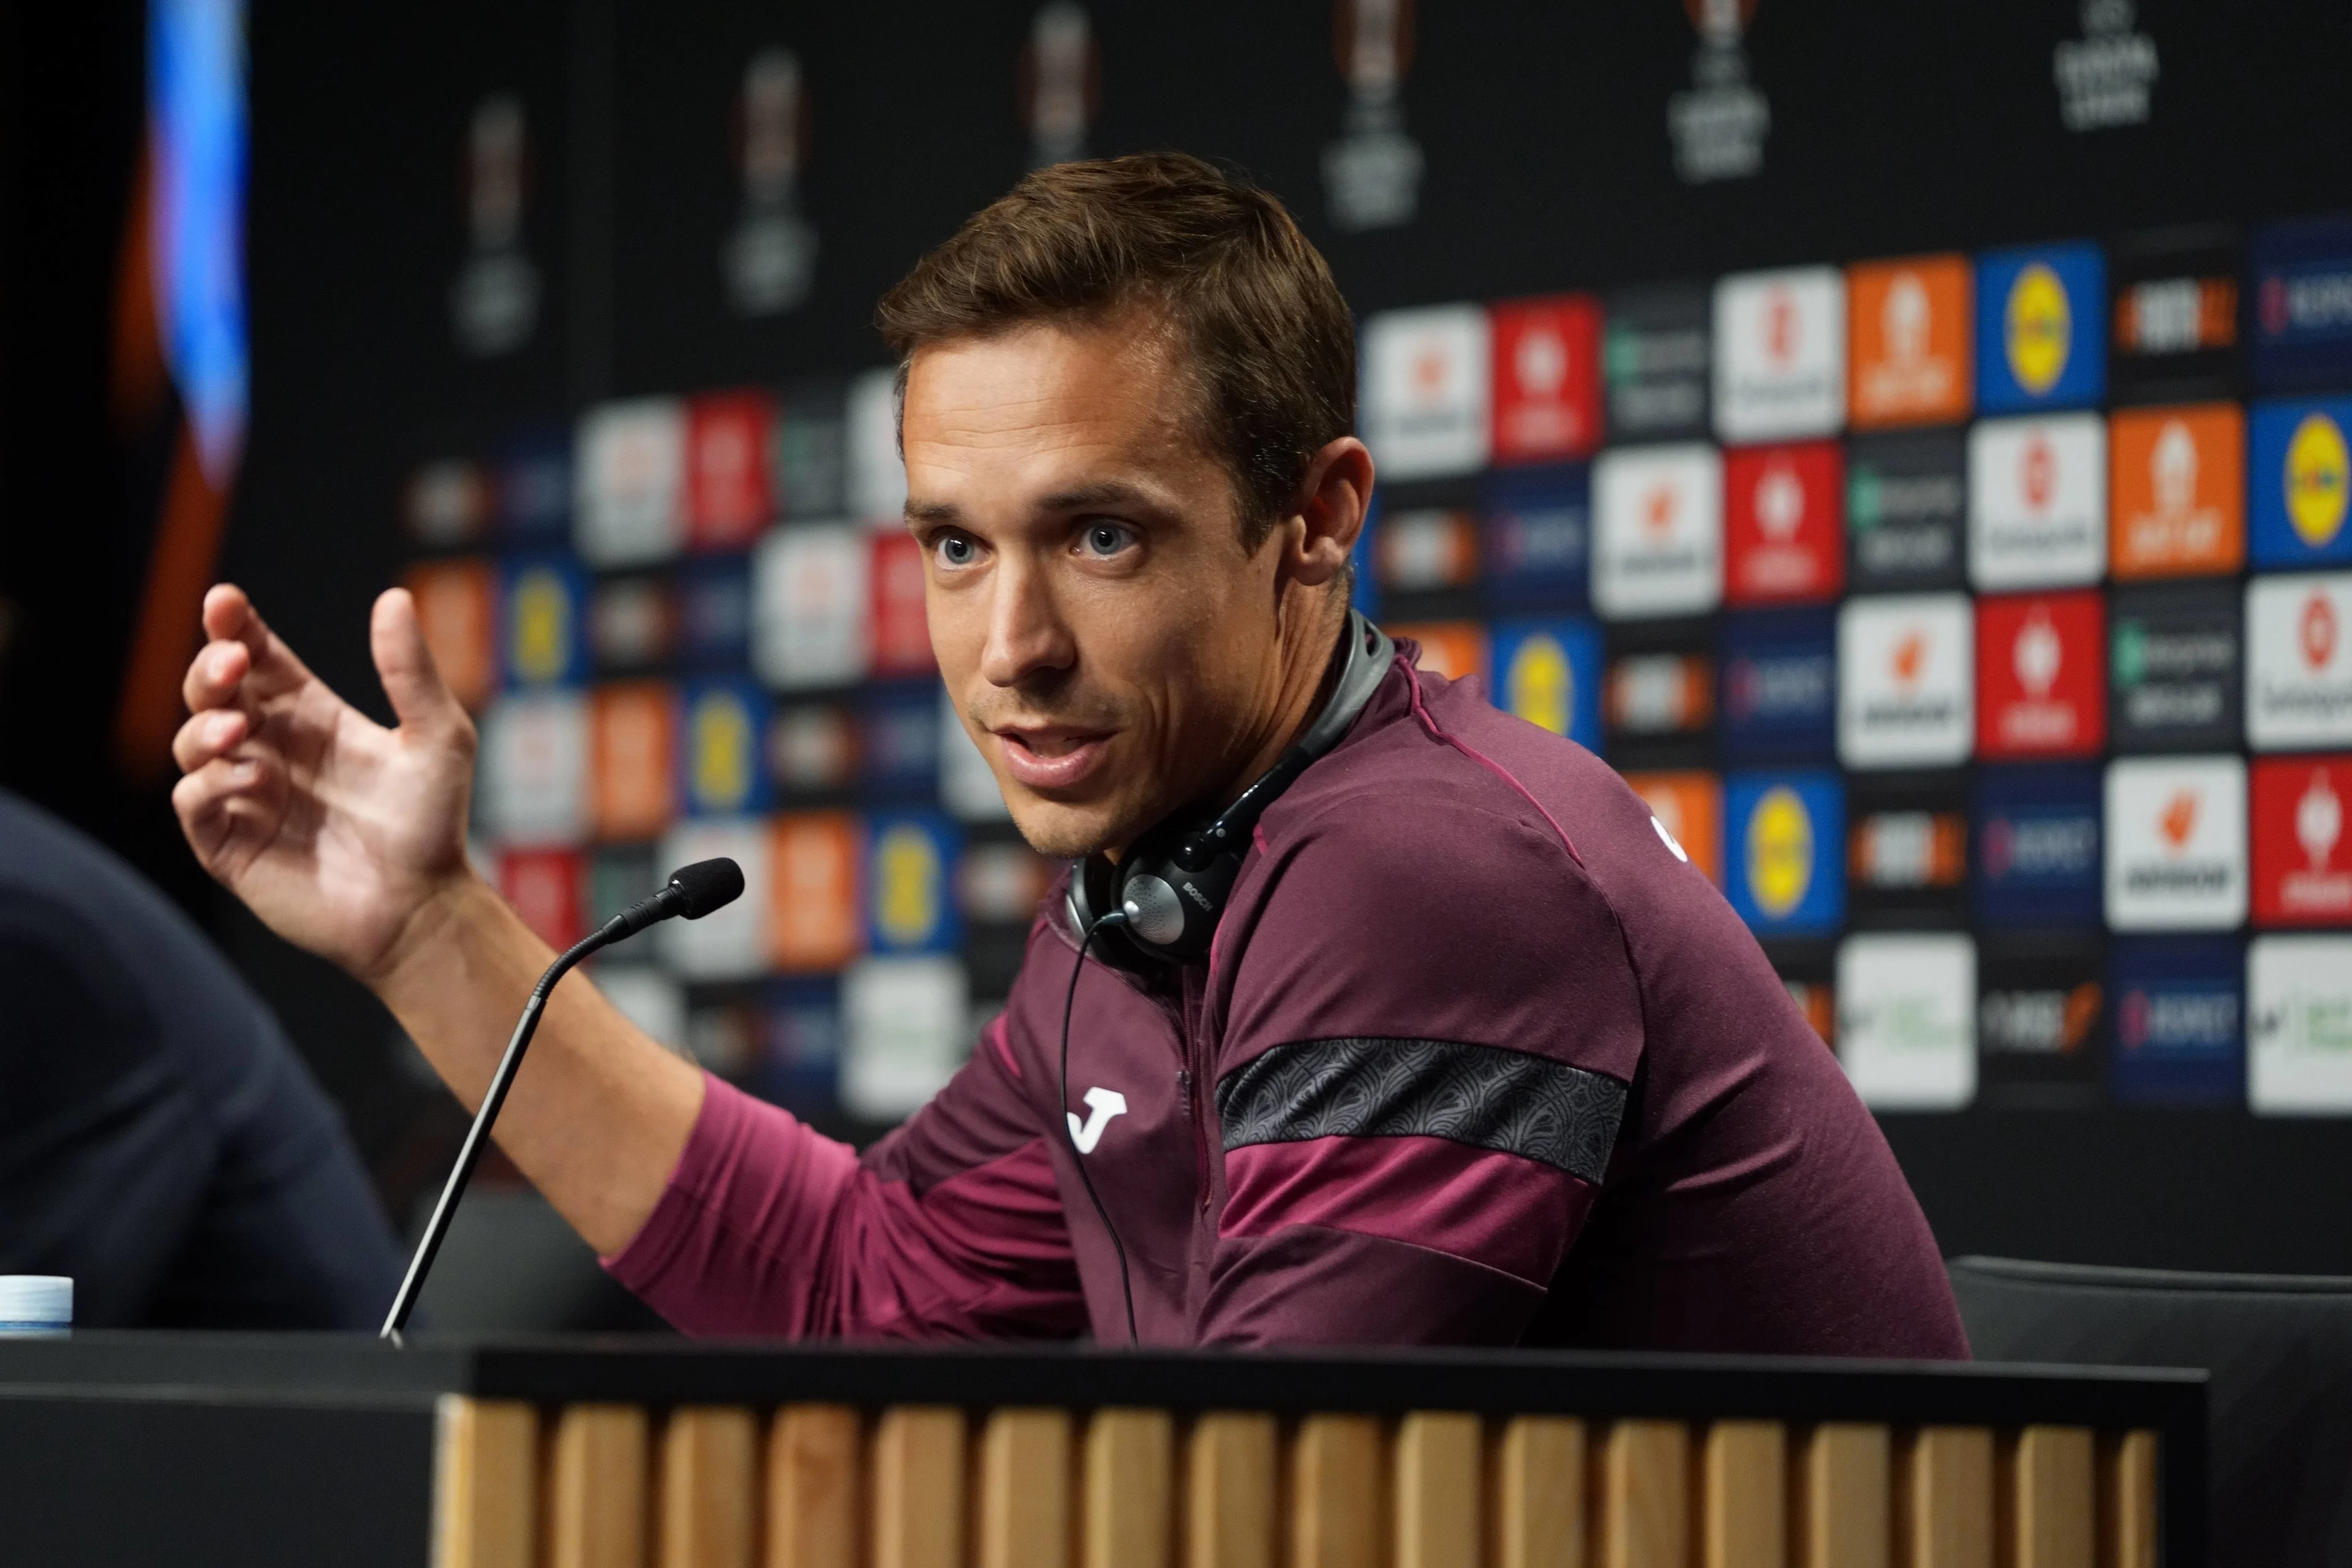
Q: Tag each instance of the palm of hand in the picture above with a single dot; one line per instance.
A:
(335, 830)
(349, 827)
(365, 824)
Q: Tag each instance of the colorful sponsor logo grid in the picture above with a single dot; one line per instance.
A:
(1933, 603)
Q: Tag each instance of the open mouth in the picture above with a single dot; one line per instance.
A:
(1049, 757)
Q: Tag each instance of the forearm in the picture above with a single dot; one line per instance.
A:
(769, 1228)
(599, 1114)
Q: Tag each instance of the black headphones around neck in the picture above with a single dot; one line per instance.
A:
(1174, 881)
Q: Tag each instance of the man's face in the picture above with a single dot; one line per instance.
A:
(1108, 644)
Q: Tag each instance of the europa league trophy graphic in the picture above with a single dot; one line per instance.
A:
(494, 302)
(1718, 125)
(770, 260)
(1372, 175)
(1058, 79)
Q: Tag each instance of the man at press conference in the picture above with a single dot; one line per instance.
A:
(1370, 1013)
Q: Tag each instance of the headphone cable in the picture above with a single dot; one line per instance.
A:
(1069, 1121)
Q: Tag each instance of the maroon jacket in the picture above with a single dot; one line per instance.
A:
(1478, 1058)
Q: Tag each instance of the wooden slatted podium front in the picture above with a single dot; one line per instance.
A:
(658, 1453)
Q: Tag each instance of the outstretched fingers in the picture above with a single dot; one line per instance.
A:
(215, 676)
(420, 699)
(229, 617)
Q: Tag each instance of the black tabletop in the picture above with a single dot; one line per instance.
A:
(662, 1372)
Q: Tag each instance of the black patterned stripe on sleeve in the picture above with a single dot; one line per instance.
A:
(1507, 1102)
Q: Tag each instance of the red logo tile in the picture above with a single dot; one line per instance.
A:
(1784, 523)
(728, 498)
(545, 887)
(2042, 675)
(902, 631)
(1547, 369)
(2302, 850)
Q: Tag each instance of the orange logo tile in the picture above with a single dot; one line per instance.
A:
(1454, 649)
(1907, 339)
(813, 898)
(1689, 806)
(2177, 482)
(633, 740)
(456, 609)
(1817, 1002)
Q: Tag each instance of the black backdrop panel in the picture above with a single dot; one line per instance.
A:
(1549, 165)
(1544, 130)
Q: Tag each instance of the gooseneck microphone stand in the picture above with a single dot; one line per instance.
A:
(693, 891)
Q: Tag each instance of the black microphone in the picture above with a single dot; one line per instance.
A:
(693, 891)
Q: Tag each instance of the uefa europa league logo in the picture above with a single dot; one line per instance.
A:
(2106, 77)
(1060, 75)
(494, 302)
(1372, 175)
(770, 260)
(1718, 125)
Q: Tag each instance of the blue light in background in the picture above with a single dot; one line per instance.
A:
(196, 122)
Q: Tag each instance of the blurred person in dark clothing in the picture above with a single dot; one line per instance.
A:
(160, 1141)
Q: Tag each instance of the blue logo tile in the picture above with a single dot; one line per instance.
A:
(722, 748)
(2042, 338)
(1780, 686)
(2179, 1010)
(2301, 312)
(2036, 846)
(909, 882)
(542, 621)
(1538, 537)
(1784, 850)
(714, 612)
(2299, 469)
(1549, 673)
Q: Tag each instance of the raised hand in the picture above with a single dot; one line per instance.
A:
(336, 831)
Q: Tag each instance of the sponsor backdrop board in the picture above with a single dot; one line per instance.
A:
(1900, 450)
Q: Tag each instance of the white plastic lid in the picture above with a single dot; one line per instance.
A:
(36, 1301)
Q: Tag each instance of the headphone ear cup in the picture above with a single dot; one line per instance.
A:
(1095, 891)
(1173, 912)
(1172, 908)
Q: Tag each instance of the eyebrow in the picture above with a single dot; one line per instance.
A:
(1108, 492)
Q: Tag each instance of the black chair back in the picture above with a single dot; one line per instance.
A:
(2279, 1348)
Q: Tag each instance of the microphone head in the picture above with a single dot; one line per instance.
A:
(706, 885)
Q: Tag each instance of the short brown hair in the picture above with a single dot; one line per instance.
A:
(1268, 340)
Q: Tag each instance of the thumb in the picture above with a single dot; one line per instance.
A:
(420, 699)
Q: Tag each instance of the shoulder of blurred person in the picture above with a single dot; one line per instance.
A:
(160, 1141)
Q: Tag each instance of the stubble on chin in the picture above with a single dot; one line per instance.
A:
(1060, 834)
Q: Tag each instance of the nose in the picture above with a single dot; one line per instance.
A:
(1027, 637)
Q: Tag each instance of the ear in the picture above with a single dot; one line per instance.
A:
(1332, 500)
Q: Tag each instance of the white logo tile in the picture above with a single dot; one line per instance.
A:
(906, 1027)
(2299, 661)
(1780, 354)
(810, 614)
(2299, 1024)
(1657, 537)
(2037, 502)
(2176, 843)
(629, 494)
(533, 769)
(1907, 1020)
(1906, 678)
(1427, 391)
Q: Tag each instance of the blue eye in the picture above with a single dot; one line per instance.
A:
(1107, 538)
(955, 549)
